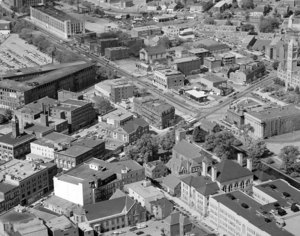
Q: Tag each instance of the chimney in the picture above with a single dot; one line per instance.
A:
(15, 127)
(240, 158)
(213, 173)
(44, 119)
(249, 164)
(204, 168)
(179, 135)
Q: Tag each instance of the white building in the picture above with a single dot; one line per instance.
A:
(168, 79)
(143, 192)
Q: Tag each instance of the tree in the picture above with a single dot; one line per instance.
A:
(247, 27)
(257, 149)
(275, 65)
(297, 90)
(164, 42)
(2, 119)
(167, 142)
(228, 22)
(244, 132)
(178, 6)
(268, 24)
(8, 114)
(207, 5)
(247, 4)
(254, 57)
(102, 105)
(267, 9)
(199, 134)
(99, 12)
(288, 155)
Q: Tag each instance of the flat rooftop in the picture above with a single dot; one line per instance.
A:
(144, 191)
(19, 169)
(61, 223)
(155, 104)
(214, 78)
(168, 72)
(53, 139)
(143, 28)
(249, 209)
(75, 151)
(55, 13)
(196, 94)
(9, 140)
(198, 50)
(274, 112)
(118, 114)
(186, 59)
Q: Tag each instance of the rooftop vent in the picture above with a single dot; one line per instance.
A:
(231, 196)
(272, 186)
(245, 205)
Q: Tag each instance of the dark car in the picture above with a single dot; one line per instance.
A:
(133, 229)
(139, 232)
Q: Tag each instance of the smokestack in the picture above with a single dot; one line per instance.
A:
(204, 168)
(249, 164)
(213, 173)
(240, 158)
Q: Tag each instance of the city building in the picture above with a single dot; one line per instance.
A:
(9, 196)
(78, 113)
(268, 122)
(95, 180)
(32, 180)
(19, 5)
(15, 145)
(117, 117)
(20, 221)
(109, 215)
(288, 70)
(201, 53)
(178, 224)
(228, 59)
(5, 26)
(116, 53)
(199, 96)
(144, 193)
(186, 34)
(187, 65)
(161, 208)
(236, 213)
(19, 92)
(61, 226)
(145, 31)
(59, 206)
(164, 18)
(212, 63)
(151, 54)
(76, 153)
(213, 46)
(168, 79)
(155, 169)
(56, 21)
(213, 82)
(172, 184)
(220, 6)
(156, 112)
(63, 95)
(248, 73)
(116, 90)
(170, 30)
(100, 45)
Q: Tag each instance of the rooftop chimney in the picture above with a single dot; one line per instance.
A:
(249, 164)
(213, 173)
(240, 158)
(204, 168)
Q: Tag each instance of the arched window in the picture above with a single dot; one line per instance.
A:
(242, 184)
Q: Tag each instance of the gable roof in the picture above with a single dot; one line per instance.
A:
(108, 208)
(187, 149)
(155, 50)
(203, 185)
(132, 125)
(174, 218)
(230, 170)
(171, 181)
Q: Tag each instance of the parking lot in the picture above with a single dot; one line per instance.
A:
(15, 53)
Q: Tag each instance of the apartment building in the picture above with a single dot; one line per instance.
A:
(168, 79)
(95, 180)
(145, 31)
(155, 169)
(187, 65)
(56, 21)
(156, 112)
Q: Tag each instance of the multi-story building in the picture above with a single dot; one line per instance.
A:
(212, 63)
(156, 112)
(151, 54)
(201, 53)
(117, 89)
(56, 21)
(15, 145)
(78, 113)
(178, 224)
(248, 73)
(213, 46)
(116, 53)
(18, 5)
(187, 65)
(18, 92)
(236, 213)
(100, 45)
(273, 121)
(96, 180)
(228, 59)
(109, 215)
(161, 208)
(9, 196)
(155, 169)
(143, 192)
(168, 79)
(145, 31)
(116, 118)
(31, 178)
(61, 225)
(78, 152)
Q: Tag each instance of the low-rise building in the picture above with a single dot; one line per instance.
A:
(228, 59)
(214, 82)
(201, 53)
(74, 154)
(155, 169)
(100, 45)
(116, 118)
(117, 89)
(109, 215)
(116, 53)
(161, 208)
(213, 46)
(96, 180)
(268, 122)
(172, 184)
(187, 65)
(156, 112)
(152, 54)
(145, 31)
(212, 63)
(248, 73)
(178, 224)
(168, 79)
(144, 193)
(61, 226)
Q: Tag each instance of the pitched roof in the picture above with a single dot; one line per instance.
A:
(203, 185)
(155, 50)
(132, 125)
(207, 125)
(230, 170)
(187, 149)
(108, 208)
(174, 218)
(260, 44)
(171, 181)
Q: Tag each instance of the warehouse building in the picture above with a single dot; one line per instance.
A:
(116, 53)
(56, 21)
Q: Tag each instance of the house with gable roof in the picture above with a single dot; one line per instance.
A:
(151, 54)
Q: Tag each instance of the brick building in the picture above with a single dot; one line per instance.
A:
(187, 65)
(168, 79)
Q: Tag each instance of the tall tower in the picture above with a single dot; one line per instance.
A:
(291, 64)
(15, 127)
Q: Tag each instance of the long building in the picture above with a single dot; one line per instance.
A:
(56, 21)
(16, 93)
(156, 112)
(19, 4)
